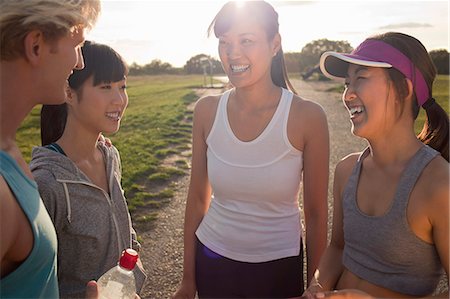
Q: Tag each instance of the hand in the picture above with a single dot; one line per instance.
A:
(185, 291)
(343, 294)
(105, 140)
(92, 290)
(312, 290)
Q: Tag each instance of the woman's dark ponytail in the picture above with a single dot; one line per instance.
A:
(53, 122)
(435, 131)
(279, 74)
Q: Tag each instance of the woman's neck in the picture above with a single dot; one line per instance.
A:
(257, 96)
(394, 150)
(78, 143)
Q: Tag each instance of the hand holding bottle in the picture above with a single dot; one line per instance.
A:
(118, 282)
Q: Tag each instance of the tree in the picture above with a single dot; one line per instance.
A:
(441, 60)
(135, 70)
(201, 63)
(312, 51)
(155, 67)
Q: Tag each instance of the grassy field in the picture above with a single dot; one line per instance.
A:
(155, 126)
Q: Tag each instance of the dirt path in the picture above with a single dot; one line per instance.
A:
(162, 246)
(342, 142)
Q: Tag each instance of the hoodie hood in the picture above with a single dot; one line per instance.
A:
(60, 165)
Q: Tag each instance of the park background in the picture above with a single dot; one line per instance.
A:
(173, 62)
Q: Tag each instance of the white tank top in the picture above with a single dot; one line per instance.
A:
(254, 212)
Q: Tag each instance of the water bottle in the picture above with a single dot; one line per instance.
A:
(118, 282)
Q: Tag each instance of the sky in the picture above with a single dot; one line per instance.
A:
(173, 31)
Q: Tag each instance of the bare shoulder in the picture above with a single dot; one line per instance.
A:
(434, 183)
(207, 104)
(345, 167)
(204, 114)
(307, 109)
(307, 125)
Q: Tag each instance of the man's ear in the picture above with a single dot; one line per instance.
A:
(34, 46)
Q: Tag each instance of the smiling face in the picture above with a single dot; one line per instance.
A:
(99, 108)
(246, 53)
(369, 97)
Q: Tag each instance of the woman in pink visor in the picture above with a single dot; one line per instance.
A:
(390, 234)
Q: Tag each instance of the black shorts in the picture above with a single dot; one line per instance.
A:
(221, 277)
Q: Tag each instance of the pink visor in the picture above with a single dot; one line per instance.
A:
(375, 53)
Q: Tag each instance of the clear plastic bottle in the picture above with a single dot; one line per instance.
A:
(119, 282)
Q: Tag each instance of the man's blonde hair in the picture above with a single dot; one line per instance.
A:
(55, 18)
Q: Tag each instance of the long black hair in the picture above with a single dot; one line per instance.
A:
(101, 62)
(266, 15)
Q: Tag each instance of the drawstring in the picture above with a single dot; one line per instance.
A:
(69, 211)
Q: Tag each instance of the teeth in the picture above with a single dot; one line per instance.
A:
(354, 110)
(114, 115)
(239, 68)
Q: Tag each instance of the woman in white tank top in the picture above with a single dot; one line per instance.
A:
(252, 147)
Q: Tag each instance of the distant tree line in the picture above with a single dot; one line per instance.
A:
(441, 60)
(304, 62)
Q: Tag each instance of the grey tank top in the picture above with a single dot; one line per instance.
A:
(383, 250)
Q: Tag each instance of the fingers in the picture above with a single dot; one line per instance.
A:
(343, 294)
(91, 290)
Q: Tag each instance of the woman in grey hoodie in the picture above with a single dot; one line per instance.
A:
(79, 176)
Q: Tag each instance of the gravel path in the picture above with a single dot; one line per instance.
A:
(162, 244)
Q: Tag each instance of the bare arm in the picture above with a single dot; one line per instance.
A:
(439, 219)
(13, 223)
(8, 229)
(198, 200)
(330, 266)
(315, 186)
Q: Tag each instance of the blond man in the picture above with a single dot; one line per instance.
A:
(40, 46)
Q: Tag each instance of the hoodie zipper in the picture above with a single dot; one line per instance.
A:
(108, 199)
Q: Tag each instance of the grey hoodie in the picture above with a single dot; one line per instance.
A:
(93, 227)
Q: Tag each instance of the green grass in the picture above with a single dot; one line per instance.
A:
(154, 126)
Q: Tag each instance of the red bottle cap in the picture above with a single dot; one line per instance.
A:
(128, 259)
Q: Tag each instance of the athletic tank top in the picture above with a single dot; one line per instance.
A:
(36, 276)
(254, 212)
(383, 249)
